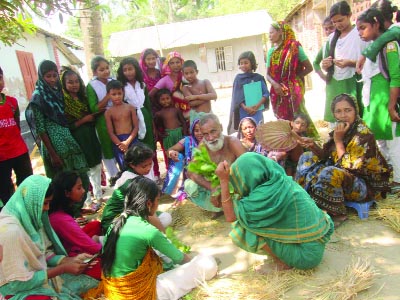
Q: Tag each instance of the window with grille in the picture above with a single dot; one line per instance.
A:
(220, 59)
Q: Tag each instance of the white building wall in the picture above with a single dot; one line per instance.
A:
(225, 78)
(41, 48)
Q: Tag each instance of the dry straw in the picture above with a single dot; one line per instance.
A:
(199, 219)
(357, 277)
(249, 285)
(388, 210)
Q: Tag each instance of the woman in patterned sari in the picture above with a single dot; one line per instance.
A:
(287, 65)
(349, 167)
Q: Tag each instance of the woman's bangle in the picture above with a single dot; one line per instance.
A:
(226, 200)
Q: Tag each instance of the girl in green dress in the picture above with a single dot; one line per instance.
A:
(81, 124)
(382, 90)
(99, 100)
(345, 47)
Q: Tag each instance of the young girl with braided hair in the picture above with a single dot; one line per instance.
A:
(131, 268)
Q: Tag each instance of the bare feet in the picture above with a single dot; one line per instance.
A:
(216, 215)
(273, 266)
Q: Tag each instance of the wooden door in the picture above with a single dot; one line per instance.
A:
(28, 70)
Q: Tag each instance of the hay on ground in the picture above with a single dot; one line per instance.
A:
(388, 210)
(357, 277)
(249, 285)
(199, 220)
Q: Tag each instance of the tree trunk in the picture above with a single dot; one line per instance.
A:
(90, 24)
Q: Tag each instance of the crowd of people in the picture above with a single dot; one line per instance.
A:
(284, 204)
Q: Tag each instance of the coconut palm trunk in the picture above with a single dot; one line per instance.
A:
(90, 23)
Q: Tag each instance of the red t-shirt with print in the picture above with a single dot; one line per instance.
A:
(11, 142)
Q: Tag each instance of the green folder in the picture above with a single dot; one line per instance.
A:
(253, 94)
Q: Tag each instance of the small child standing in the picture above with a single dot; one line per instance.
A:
(14, 153)
(170, 119)
(122, 121)
(299, 125)
(239, 109)
(199, 93)
(99, 101)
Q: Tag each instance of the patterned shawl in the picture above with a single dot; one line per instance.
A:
(46, 99)
(50, 101)
(75, 109)
(272, 205)
(149, 81)
(282, 68)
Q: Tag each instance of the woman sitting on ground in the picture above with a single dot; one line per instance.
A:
(247, 135)
(349, 167)
(68, 190)
(130, 265)
(33, 260)
(173, 184)
(272, 214)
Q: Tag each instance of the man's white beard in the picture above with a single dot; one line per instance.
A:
(215, 146)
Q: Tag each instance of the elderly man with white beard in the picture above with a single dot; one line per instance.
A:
(220, 148)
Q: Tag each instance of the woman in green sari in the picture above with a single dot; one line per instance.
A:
(271, 214)
(33, 260)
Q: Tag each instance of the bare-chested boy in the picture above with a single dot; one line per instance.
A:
(122, 121)
(199, 93)
(170, 119)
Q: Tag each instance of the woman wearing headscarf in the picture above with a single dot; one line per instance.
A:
(34, 261)
(46, 118)
(180, 155)
(349, 166)
(271, 214)
(150, 64)
(247, 135)
(172, 79)
(287, 65)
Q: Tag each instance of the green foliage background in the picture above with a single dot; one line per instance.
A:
(125, 15)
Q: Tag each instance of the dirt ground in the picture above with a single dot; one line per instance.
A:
(371, 239)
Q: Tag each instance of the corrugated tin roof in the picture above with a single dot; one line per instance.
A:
(68, 42)
(186, 33)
